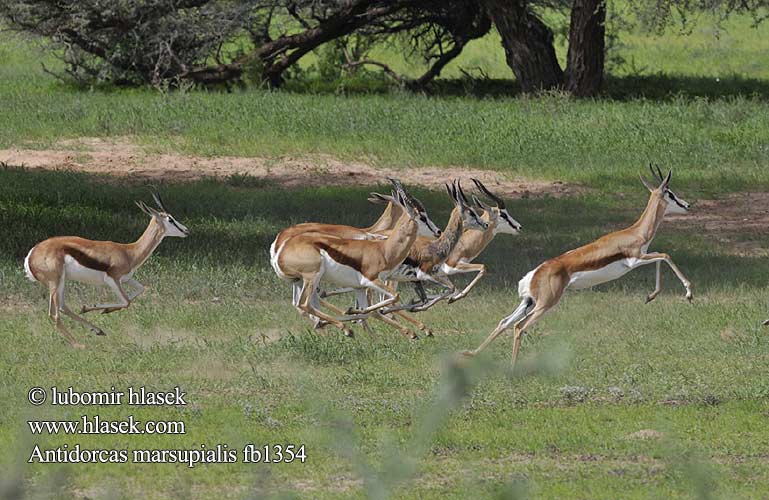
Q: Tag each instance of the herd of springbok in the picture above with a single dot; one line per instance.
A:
(403, 245)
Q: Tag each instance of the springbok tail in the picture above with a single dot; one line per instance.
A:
(524, 308)
(27, 270)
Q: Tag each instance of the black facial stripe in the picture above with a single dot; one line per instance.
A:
(675, 199)
(172, 221)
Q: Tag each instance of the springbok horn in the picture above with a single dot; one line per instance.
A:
(499, 201)
(159, 202)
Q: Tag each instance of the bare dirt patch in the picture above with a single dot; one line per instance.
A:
(739, 221)
(123, 158)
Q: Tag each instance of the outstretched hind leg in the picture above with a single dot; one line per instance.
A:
(522, 325)
(309, 287)
(521, 312)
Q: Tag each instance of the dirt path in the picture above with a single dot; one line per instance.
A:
(122, 158)
(739, 222)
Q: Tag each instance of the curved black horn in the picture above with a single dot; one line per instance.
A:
(659, 172)
(159, 202)
(462, 193)
(499, 201)
(654, 174)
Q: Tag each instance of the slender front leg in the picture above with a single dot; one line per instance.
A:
(306, 303)
(411, 319)
(56, 291)
(468, 268)
(657, 283)
(390, 296)
(336, 291)
(138, 289)
(658, 256)
(108, 308)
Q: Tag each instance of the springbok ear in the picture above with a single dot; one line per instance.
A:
(646, 183)
(147, 209)
(159, 202)
(480, 204)
(666, 180)
(380, 199)
(465, 201)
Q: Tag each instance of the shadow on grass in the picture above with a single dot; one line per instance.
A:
(656, 87)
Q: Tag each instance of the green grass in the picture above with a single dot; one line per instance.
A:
(696, 373)
(381, 415)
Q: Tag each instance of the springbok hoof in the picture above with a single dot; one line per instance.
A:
(766, 323)
(689, 298)
(99, 332)
(428, 332)
(649, 298)
(348, 333)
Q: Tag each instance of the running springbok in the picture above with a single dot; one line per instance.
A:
(54, 261)
(308, 258)
(427, 255)
(474, 241)
(605, 259)
(386, 221)
(424, 261)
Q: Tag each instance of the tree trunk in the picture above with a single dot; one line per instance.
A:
(528, 45)
(584, 69)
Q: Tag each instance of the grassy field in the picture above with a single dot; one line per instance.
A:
(613, 398)
(379, 413)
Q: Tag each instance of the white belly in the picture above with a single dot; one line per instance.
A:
(76, 272)
(342, 275)
(617, 269)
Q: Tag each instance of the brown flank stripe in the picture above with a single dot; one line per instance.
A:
(86, 260)
(338, 256)
(592, 265)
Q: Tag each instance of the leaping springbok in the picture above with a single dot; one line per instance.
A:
(308, 258)
(474, 241)
(427, 255)
(54, 261)
(605, 259)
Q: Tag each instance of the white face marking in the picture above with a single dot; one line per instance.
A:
(675, 204)
(173, 227)
(504, 226)
(76, 272)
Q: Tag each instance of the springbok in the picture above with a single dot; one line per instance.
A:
(605, 259)
(54, 261)
(424, 261)
(386, 221)
(474, 241)
(427, 255)
(307, 259)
